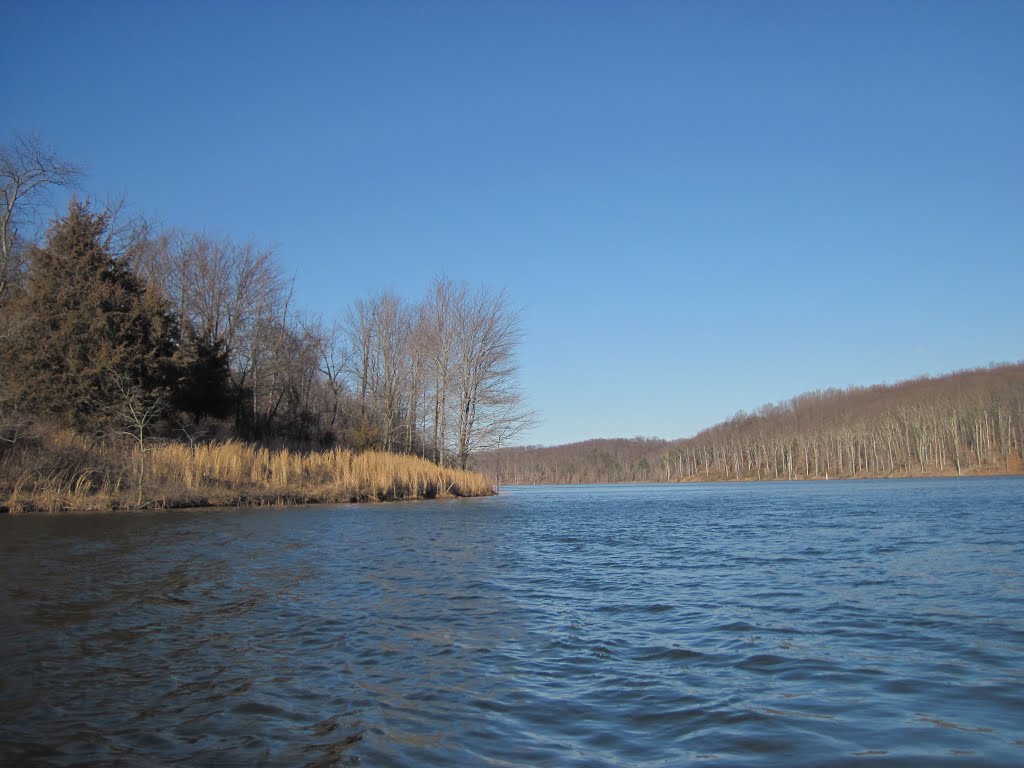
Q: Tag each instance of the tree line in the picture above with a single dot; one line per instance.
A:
(968, 422)
(109, 326)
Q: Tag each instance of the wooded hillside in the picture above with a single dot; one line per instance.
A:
(969, 422)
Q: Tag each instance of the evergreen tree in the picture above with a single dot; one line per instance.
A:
(85, 325)
(203, 387)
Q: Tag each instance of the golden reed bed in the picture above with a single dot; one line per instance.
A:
(68, 474)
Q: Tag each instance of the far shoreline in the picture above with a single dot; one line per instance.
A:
(721, 480)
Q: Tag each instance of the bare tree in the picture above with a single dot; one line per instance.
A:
(359, 330)
(445, 300)
(29, 171)
(128, 234)
(135, 412)
(224, 293)
(219, 288)
(441, 375)
(391, 376)
(334, 359)
(284, 377)
(379, 331)
(491, 405)
(417, 416)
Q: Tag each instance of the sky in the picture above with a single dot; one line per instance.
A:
(699, 207)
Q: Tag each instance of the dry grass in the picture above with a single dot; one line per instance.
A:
(65, 471)
(57, 469)
(240, 471)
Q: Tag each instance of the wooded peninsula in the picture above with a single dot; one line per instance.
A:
(144, 367)
(967, 423)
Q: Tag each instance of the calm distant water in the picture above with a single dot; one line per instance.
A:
(844, 623)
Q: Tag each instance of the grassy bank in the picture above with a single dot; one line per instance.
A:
(64, 471)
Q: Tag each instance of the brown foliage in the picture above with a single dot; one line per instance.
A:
(970, 422)
(83, 320)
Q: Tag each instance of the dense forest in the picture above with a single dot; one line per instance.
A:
(132, 336)
(969, 422)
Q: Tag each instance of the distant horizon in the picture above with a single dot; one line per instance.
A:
(699, 207)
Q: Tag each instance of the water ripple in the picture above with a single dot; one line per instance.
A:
(756, 624)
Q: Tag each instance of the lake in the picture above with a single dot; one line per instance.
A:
(869, 623)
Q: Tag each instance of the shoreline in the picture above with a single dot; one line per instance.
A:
(244, 501)
(66, 473)
(710, 480)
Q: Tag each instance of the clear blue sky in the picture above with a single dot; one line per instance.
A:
(700, 206)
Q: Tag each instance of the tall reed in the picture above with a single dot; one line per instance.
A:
(69, 473)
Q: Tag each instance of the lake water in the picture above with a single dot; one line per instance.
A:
(823, 623)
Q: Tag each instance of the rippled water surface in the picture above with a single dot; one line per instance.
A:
(862, 623)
